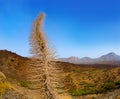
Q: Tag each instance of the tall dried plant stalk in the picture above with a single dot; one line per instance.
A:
(43, 60)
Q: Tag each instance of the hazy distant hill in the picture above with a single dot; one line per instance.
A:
(110, 58)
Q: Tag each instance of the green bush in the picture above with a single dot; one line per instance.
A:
(80, 92)
(75, 92)
(90, 89)
(117, 82)
(87, 85)
(108, 85)
(25, 83)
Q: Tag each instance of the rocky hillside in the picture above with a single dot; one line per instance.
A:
(85, 81)
(13, 65)
(81, 81)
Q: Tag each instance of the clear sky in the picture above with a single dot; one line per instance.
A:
(75, 27)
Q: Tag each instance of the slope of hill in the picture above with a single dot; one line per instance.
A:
(81, 81)
(13, 65)
(91, 81)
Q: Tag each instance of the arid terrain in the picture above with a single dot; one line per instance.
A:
(81, 81)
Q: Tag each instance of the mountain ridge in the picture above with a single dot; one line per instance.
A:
(104, 59)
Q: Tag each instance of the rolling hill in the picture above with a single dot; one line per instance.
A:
(81, 81)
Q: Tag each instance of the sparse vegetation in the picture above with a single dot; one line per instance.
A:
(108, 85)
(79, 80)
(89, 89)
(4, 84)
(25, 84)
(86, 80)
(75, 92)
(118, 97)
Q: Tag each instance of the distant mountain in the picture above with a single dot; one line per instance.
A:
(86, 60)
(110, 58)
(70, 59)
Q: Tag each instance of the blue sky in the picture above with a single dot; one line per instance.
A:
(75, 27)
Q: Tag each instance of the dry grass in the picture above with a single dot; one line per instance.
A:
(4, 87)
(118, 97)
(88, 80)
(4, 84)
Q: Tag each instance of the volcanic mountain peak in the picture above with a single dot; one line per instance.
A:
(111, 53)
(110, 57)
